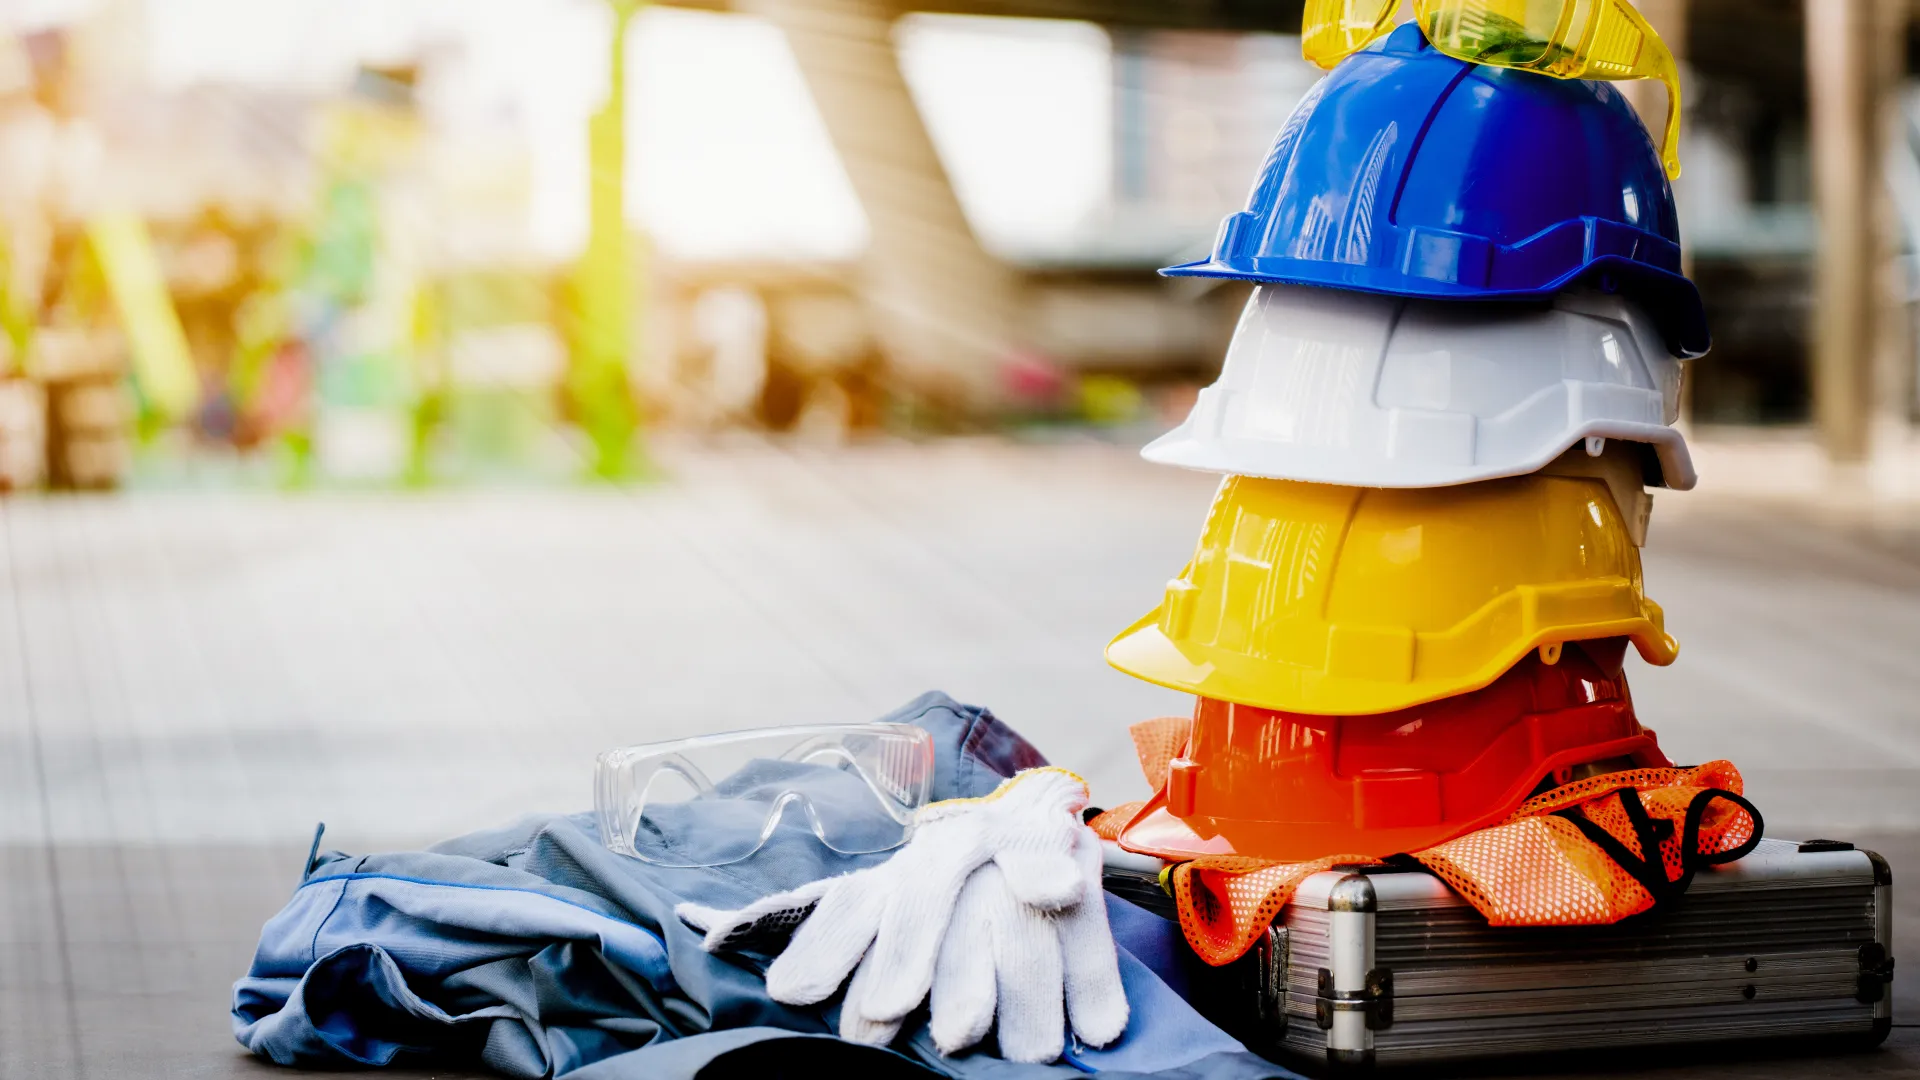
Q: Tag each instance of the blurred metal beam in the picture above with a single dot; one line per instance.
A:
(1650, 99)
(1275, 16)
(947, 313)
(1282, 16)
(944, 308)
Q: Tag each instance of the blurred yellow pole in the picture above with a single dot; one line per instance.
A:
(162, 362)
(1842, 100)
(605, 290)
(1649, 98)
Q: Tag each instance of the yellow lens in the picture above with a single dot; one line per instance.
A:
(1332, 30)
(1567, 39)
(1504, 33)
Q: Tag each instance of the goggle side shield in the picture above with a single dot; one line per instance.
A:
(1332, 30)
(717, 799)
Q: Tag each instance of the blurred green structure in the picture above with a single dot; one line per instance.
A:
(604, 288)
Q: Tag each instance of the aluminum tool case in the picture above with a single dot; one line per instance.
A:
(1385, 966)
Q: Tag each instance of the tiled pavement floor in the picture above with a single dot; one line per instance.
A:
(189, 680)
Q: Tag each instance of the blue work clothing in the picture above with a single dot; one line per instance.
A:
(534, 951)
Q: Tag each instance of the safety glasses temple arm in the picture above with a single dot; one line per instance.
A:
(1664, 68)
(1655, 61)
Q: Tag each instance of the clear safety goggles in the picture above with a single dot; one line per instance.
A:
(717, 799)
(1566, 39)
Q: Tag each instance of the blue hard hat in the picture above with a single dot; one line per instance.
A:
(1408, 172)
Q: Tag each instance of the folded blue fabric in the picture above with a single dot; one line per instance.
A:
(536, 952)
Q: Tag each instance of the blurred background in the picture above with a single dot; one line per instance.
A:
(410, 242)
(402, 400)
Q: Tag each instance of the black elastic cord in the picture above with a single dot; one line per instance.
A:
(1649, 868)
(1697, 812)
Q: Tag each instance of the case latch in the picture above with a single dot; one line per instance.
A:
(1270, 981)
(1375, 1000)
(1876, 972)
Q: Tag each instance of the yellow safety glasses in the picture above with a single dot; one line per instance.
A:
(1566, 39)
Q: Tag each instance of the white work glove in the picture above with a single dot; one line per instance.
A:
(1002, 955)
(895, 916)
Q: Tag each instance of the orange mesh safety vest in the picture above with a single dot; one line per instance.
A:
(1585, 854)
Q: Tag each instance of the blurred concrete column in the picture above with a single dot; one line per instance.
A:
(1844, 98)
(1649, 99)
(1895, 466)
(944, 308)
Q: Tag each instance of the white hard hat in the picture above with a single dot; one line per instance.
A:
(1340, 387)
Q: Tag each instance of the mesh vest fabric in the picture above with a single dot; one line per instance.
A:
(1589, 853)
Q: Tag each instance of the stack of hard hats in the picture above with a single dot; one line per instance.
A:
(1411, 601)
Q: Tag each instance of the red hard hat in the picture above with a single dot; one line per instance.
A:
(1290, 787)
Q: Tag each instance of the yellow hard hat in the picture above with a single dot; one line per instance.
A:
(1314, 598)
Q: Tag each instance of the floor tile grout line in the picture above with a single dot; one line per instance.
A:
(705, 498)
(903, 540)
(131, 726)
(249, 602)
(415, 595)
(470, 595)
(63, 944)
(85, 595)
(851, 687)
(851, 496)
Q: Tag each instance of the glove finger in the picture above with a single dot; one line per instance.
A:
(1029, 793)
(1027, 979)
(963, 998)
(855, 1025)
(915, 922)
(1034, 838)
(1096, 998)
(1045, 879)
(832, 940)
(1048, 790)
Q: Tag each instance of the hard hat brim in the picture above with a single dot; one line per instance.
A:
(1284, 786)
(1144, 651)
(1156, 832)
(1671, 299)
(1183, 447)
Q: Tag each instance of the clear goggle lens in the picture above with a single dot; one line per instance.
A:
(717, 799)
